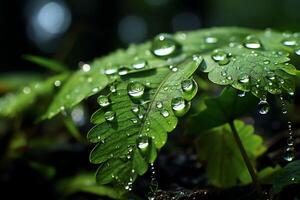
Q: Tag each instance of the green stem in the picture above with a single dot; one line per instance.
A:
(245, 157)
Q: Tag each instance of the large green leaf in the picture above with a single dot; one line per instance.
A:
(225, 165)
(86, 183)
(288, 176)
(14, 103)
(79, 86)
(222, 109)
(148, 124)
(47, 63)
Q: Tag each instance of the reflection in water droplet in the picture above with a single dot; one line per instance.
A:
(57, 83)
(243, 78)
(112, 88)
(252, 42)
(86, 67)
(109, 116)
(263, 107)
(241, 93)
(135, 108)
(220, 57)
(158, 104)
(110, 71)
(289, 154)
(134, 120)
(103, 101)
(163, 45)
(123, 70)
(135, 89)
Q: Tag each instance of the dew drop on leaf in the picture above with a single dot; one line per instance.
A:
(179, 106)
(26, 90)
(158, 104)
(263, 107)
(211, 40)
(241, 93)
(164, 113)
(289, 42)
(244, 79)
(163, 45)
(252, 42)
(103, 101)
(189, 88)
(220, 57)
(57, 83)
(297, 51)
(110, 71)
(110, 116)
(123, 71)
(86, 67)
(139, 64)
(112, 88)
(143, 142)
(134, 120)
(135, 89)
(135, 108)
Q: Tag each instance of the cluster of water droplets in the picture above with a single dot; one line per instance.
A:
(289, 153)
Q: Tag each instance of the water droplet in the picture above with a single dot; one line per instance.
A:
(158, 104)
(297, 51)
(139, 64)
(86, 67)
(263, 107)
(135, 108)
(220, 57)
(94, 90)
(266, 62)
(110, 116)
(189, 88)
(103, 101)
(112, 88)
(271, 76)
(143, 142)
(163, 45)
(123, 70)
(135, 89)
(244, 79)
(289, 42)
(57, 83)
(289, 154)
(134, 120)
(211, 40)
(26, 90)
(179, 106)
(110, 71)
(241, 93)
(252, 42)
(140, 116)
(164, 113)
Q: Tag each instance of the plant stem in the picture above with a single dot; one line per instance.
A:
(245, 157)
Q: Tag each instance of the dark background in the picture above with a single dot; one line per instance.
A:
(90, 28)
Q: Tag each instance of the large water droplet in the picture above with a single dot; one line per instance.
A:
(179, 106)
(220, 57)
(135, 89)
(110, 71)
(189, 88)
(103, 101)
(252, 42)
(163, 45)
(139, 64)
(263, 107)
(110, 116)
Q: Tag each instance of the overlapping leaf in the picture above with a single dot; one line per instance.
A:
(225, 165)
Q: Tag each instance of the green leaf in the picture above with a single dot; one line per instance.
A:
(13, 81)
(14, 103)
(288, 176)
(223, 109)
(225, 165)
(119, 139)
(46, 63)
(86, 183)
(79, 86)
(268, 174)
